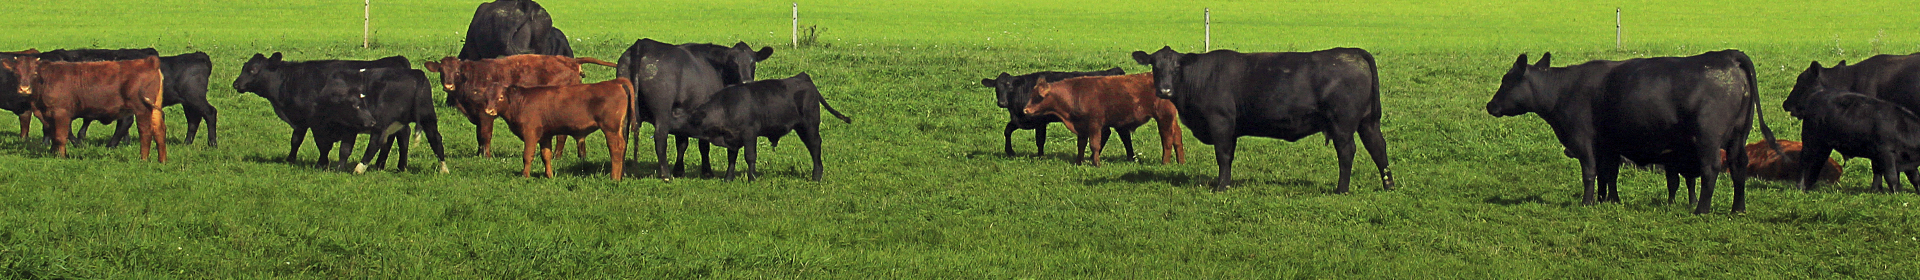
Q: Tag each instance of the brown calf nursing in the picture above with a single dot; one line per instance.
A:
(537, 114)
(1089, 105)
(476, 86)
(106, 90)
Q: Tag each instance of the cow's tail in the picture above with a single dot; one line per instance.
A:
(1753, 88)
(589, 60)
(836, 113)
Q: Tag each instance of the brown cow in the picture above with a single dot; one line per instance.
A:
(474, 86)
(537, 114)
(106, 90)
(1089, 105)
(17, 105)
(1764, 164)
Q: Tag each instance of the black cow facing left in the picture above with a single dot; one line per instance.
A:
(1673, 111)
(1225, 94)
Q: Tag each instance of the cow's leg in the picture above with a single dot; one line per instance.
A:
(1171, 145)
(299, 134)
(1737, 150)
(80, 136)
(1099, 144)
(1040, 141)
(1885, 168)
(431, 126)
(325, 144)
(1081, 135)
(152, 132)
(1223, 147)
(193, 122)
(1376, 143)
(560, 145)
(1691, 191)
(531, 145)
(660, 145)
(810, 135)
(546, 154)
(1813, 152)
(376, 148)
(401, 140)
(581, 146)
(1709, 163)
(26, 122)
(616, 148)
(1673, 185)
(120, 131)
(197, 111)
(1126, 140)
(1913, 178)
(1608, 167)
(753, 155)
(733, 154)
(57, 124)
(484, 135)
(1344, 148)
(346, 151)
(680, 162)
(706, 166)
(1011, 126)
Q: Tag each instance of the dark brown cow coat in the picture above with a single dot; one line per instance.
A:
(106, 90)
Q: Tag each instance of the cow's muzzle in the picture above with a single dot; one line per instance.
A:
(24, 90)
(448, 87)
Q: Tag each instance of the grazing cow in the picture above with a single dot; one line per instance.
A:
(1679, 112)
(294, 87)
(13, 101)
(1090, 105)
(537, 114)
(186, 83)
(1224, 94)
(510, 27)
(105, 90)
(475, 86)
(666, 77)
(381, 102)
(1012, 92)
(737, 115)
(1857, 125)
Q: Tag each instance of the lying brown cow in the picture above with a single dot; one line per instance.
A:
(1764, 164)
(537, 114)
(476, 86)
(1089, 105)
(106, 90)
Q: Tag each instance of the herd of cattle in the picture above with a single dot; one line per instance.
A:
(1690, 116)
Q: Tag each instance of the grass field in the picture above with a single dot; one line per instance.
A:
(917, 186)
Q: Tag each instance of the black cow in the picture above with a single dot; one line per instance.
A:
(294, 89)
(737, 115)
(1224, 94)
(735, 64)
(667, 77)
(1680, 112)
(185, 79)
(1894, 78)
(381, 102)
(1857, 125)
(510, 27)
(1013, 92)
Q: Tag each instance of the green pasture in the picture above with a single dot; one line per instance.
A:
(918, 186)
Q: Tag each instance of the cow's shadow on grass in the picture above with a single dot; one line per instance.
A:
(1110, 156)
(1527, 199)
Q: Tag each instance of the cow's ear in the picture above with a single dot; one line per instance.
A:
(1815, 66)
(431, 66)
(275, 58)
(763, 54)
(1521, 62)
(1142, 58)
(256, 57)
(1546, 60)
(803, 76)
(989, 83)
(1843, 63)
(1040, 87)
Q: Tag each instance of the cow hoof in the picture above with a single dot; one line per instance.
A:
(359, 168)
(443, 168)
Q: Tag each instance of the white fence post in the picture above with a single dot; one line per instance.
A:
(1616, 28)
(366, 24)
(796, 25)
(1207, 44)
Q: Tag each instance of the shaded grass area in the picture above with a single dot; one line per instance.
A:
(919, 187)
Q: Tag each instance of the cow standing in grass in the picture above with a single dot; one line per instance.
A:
(1225, 94)
(739, 114)
(1012, 93)
(477, 86)
(1674, 111)
(105, 90)
(293, 89)
(1857, 125)
(186, 84)
(1090, 105)
(538, 114)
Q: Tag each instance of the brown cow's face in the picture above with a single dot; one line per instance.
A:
(1045, 99)
(1166, 65)
(25, 69)
(450, 74)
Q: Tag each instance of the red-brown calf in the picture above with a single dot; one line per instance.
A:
(476, 86)
(537, 114)
(1089, 105)
(106, 90)
(1764, 164)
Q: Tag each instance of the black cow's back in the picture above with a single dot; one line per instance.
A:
(510, 27)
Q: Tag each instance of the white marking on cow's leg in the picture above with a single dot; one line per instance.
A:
(359, 168)
(443, 167)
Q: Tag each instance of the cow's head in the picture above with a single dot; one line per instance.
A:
(1003, 86)
(738, 62)
(1811, 81)
(1519, 87)
(258, 74)
(1166, 65)
(343, 101)
(1045, 98)
(450, 74)
(25, 69)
